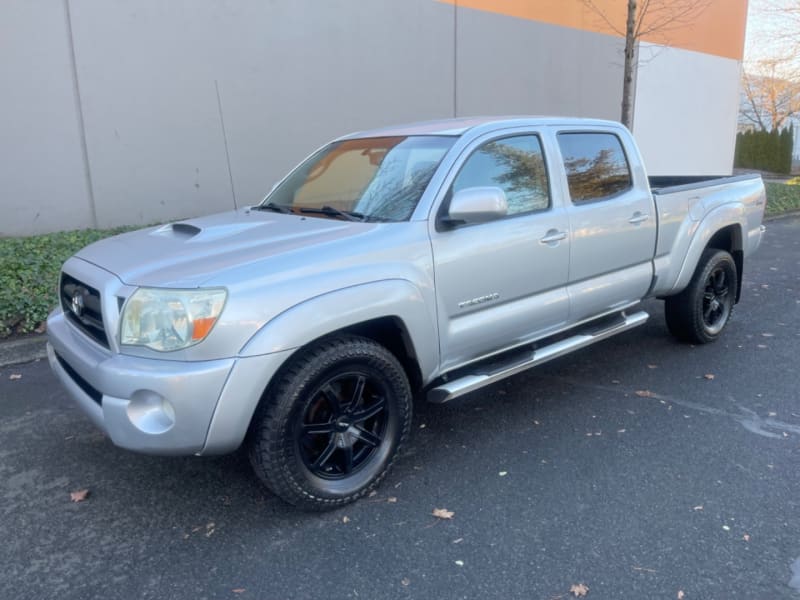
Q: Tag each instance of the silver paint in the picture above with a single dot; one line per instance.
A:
(460, 293)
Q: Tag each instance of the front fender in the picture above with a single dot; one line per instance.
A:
(333, 311)
(714, 221)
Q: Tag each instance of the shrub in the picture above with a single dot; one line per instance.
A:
(29, 268)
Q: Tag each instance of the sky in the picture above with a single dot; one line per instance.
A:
(765, 27)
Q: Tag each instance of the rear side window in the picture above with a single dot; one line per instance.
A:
(514, 164)
(595, 164)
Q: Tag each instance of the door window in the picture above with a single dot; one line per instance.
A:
(514, 164)
(595, 164)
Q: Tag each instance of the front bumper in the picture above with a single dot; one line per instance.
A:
(160, 406)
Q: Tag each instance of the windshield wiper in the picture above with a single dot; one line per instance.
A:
(274, 207)
(335, 212)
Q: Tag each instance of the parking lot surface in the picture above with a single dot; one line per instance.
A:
(640, 468)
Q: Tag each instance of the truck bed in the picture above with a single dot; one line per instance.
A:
(666, 184)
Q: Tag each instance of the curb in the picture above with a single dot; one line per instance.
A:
(788, 213)
(22, 351)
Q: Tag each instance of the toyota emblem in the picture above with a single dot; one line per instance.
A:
(76, 305)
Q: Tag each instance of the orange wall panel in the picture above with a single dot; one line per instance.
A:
(717, 28)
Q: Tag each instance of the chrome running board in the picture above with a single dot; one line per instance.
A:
(483, 375)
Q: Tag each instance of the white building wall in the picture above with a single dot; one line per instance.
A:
(138, 111)
(685, 112)
(43, 181)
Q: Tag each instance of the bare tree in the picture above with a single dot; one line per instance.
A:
(644, 18)
(786, 31)
(771, 94)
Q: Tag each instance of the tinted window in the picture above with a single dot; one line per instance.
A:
(515, 165)
(595, 164)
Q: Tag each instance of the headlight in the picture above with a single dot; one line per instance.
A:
(167, 320)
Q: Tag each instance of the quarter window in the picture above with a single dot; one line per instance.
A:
(514, 164)
(595, 164)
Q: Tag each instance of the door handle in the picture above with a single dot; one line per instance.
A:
(638, 218)
(553, 236)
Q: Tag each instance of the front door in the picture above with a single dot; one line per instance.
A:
(503, 282)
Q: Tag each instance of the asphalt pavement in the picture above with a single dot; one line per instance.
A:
(640, 468)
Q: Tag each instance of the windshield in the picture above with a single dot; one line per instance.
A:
(371, 179)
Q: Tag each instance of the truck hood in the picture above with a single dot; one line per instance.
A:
(188, 253)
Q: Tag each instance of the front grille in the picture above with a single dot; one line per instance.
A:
(81, 304)
(93, 393)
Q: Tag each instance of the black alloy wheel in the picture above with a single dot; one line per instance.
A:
(717, 300)
(343, 425)
(701, 311)
(331, 425)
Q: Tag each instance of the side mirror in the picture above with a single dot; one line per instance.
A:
(477, 205)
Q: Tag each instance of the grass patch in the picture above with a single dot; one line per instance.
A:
(782, 198)
(29, 269)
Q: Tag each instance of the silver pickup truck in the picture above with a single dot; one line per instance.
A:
(423, 261)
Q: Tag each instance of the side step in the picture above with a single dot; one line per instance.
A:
(489, 374)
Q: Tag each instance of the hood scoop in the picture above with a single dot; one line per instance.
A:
(183, 230)
(188, 231)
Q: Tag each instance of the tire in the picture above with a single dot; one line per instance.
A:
(700, 312)
(331, 426)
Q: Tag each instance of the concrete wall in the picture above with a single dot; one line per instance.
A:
(137, 111)
(685, 112)
(43, 181)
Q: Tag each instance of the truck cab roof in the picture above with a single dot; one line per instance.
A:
(461, 125)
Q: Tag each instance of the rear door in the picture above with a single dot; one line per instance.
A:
(612, 221)
(503, 282)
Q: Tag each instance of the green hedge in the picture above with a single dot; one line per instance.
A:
(782, 198)
(29, 268)
(766, 151)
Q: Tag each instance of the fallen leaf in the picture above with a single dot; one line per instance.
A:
(709, 376)
(746, 537)
(503, 473)
(345, 519)
(79, 495)
(238, 590)
(443, 513)
(391, 499)
(681, 595)
(42, 327)
(405, 581)
(644, 394)
(578, 590)
(15, 376)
